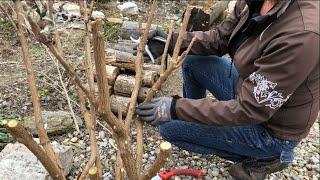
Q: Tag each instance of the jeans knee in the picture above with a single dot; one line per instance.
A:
(168, 131)
(188, 60)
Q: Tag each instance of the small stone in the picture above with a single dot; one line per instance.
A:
(213, 172)
(314, 160)
(152, 158)
(74, 139)
(129, 8)
(102, 135)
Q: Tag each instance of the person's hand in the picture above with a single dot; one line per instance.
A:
(156, 47)
(156, 111)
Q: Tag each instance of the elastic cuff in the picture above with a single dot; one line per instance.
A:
(173, 112)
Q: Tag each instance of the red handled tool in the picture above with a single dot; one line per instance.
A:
(165, 175)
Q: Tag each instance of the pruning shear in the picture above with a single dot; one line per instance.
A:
(136, 39)
(166, 175)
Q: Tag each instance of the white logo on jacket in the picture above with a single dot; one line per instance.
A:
(264, 92)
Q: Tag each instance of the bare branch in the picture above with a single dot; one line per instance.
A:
(56, 52)
(160, 81)
(44, 140)
(139, 64)
(166, 47)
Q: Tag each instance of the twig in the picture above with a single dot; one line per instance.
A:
(57, 170)
(166, 47)
(165, 150)
(5, 12)
(65, 91)
(90, 127)
(72, 74)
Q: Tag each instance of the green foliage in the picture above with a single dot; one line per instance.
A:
(43, 92)
(111, 31)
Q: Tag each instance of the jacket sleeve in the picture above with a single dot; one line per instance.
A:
(215, 41)
(283, 67)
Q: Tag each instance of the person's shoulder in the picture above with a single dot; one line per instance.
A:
(309, 10)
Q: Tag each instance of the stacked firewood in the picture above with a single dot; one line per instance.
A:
(120, 70)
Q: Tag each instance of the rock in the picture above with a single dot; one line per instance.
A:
(17, 162)
(74, 139)
(55, 123)
(129, 8)
(314, 160)
(213, 172)
(98, 15)
(102, 135)
(72, 9)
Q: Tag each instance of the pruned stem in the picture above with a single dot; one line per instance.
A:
(93, 173)
(161, 80)
(138, 67)
(162, 158)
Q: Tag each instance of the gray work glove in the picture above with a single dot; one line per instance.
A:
(156, 111)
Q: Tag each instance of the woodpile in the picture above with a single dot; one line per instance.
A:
(120, 70)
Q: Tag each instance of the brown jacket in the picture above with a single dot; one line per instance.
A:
(279, 72)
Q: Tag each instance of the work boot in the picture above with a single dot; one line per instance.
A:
(255, 170)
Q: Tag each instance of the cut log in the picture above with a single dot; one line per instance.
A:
(129, 27)
(112, 73)
(126, 60)
(124, 45)
(124, 86)
(149, 78)
(131, 66)
(120, 56)
(119, 102)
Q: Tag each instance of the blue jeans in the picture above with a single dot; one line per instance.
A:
(236, 143)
